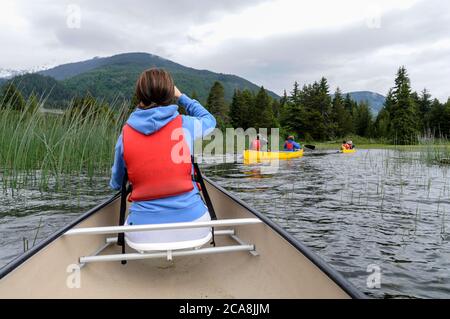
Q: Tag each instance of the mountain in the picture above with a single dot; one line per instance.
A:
(375, 100)
(115, 77)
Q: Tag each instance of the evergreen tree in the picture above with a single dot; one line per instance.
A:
(383, 121)
(424, 109)
(437, 118)
(312, 126)
(276, 108)
(262, 110)
(284, 98)
(248, 100)
(282, 109)
(295, 94)
(324, 100)
(291, 118)
(382, 124)
(349, 103)
(446, 120)
(315, 111)
(237, 110)
(389, 104)
(12, 98)
(292, 112)
(403, 117)
(217, 106)
(339, 115)
(363, 120)
(350, 108)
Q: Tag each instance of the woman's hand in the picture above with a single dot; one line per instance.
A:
(177, 93)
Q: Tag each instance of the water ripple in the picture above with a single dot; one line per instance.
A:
(374, 207)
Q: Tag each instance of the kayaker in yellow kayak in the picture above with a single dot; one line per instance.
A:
(347, 146)
(290, 145)
(258, 143)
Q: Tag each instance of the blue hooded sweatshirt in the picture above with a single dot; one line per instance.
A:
(296, 146)
(181, 208)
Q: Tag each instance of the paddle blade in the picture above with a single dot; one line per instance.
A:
(311, 147)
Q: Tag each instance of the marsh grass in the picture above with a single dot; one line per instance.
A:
(51, 150)
(435, 150)
(429, 150)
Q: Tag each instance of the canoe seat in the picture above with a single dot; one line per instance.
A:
(176, 245)
(171, 239)
(144, 250)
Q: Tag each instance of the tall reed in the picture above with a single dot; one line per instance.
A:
(50, 150)
(435, 150)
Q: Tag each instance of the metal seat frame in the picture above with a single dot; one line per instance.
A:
(168, 254)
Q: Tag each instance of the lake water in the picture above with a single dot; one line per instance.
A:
(376, 208)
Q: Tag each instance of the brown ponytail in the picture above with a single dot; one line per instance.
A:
(155, 87)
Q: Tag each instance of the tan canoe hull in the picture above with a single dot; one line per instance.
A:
(282, 269)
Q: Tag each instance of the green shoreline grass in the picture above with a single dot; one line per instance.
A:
(419, 147)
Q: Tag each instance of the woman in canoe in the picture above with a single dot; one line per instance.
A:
(290, 145)
(155, 150)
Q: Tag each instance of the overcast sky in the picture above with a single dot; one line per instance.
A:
(356, 44)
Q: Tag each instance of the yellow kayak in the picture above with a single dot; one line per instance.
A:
(259, 156)
(348, 151)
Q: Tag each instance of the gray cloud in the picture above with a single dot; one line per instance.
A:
(348, 56)
(109, 27)
(354, 57)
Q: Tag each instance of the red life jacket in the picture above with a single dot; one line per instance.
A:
(289, 145)
(151, 170)
(256, 145)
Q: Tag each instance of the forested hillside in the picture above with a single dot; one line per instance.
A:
(114, 77)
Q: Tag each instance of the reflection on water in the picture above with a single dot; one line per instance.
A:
(33, 215)
(354, 210)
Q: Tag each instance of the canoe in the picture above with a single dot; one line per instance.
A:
(267, 263)
(261, 156)
(348, 151)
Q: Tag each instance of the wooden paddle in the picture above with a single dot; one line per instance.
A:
(311, 147)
